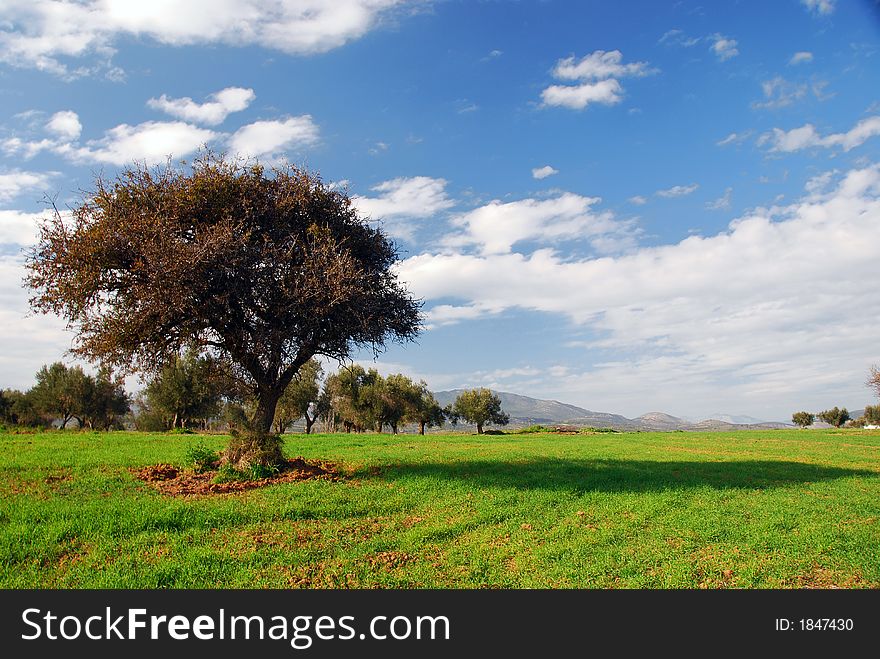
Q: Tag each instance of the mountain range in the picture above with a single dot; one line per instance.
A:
(525, 411)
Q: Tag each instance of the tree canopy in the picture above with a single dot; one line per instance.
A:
(264, 269)
(803, 419)
(479, 406)
(835, 416)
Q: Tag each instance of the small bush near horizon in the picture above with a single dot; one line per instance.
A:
(590, 430)
(534, 428)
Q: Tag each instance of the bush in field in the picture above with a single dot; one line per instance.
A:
(803, 419)
(201, 458)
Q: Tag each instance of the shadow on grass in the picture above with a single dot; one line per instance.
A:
(623, 475)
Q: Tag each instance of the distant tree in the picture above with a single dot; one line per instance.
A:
(479, 406)
(5, 408)
(803, 419)
(22, 410)
(836, 417)
(872, 414)
(61, 392)
(424, 408)
(300, 398)
(105, 401)
(186, 388)
(263, 270)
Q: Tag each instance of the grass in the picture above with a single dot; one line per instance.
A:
(750, 509)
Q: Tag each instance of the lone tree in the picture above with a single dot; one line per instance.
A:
(262, 269)
(479, 406)
(803, 419)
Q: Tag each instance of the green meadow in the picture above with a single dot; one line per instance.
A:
(748, 509)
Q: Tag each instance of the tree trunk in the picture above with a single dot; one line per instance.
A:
(479, 428)
(309, 423)
(421, 427)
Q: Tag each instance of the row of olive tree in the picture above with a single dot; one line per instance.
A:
(67, 393)
(356, 399)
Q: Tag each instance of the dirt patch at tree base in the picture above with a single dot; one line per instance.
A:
(172, 481)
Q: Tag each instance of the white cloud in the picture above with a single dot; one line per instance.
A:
(638, 200)
(821, 7)
(598, 75)
(212, 112)
(678, 38)
(403, 199)
(577, 97)
(677, 329)
(722, 203)
(270, 139)
(15, 182)
(44, 34)
(807, 137)
(65, 125)
(724, 47)
(19, 228)
(801, 57)
(779, 93)
(543, 172)
(151, 142)
(678, 191)
(734, 138)
(496, 227)
(599, 65)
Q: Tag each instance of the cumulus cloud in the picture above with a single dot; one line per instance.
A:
(211, 112)
(577, 97)
(678, 191)
(672, 318)
(807, 137)
(599, 65)
(496, 227)
(724, 47)
(403, 199)
(270, 139)
(801, 57)
(18, 228)
(597, 74)
(15, 182)
(151, 142)
(65, 125)
(543, 172)
(638, 200)
(48, 34)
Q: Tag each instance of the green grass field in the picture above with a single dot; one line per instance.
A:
(751, 509)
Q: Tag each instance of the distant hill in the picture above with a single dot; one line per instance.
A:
(525, 411)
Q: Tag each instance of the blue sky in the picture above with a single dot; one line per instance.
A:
(628, 206)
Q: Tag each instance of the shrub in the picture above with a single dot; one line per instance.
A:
(589, 430)
(201, 458)
(535, 428)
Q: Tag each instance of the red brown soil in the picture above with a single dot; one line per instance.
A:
(169, 480)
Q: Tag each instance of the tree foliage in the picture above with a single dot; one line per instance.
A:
(803, 419)
(479, 406)
(873, 380)
(835, 417)
(263, 269)
(62, 392)
(187, 388)
(872, 415)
